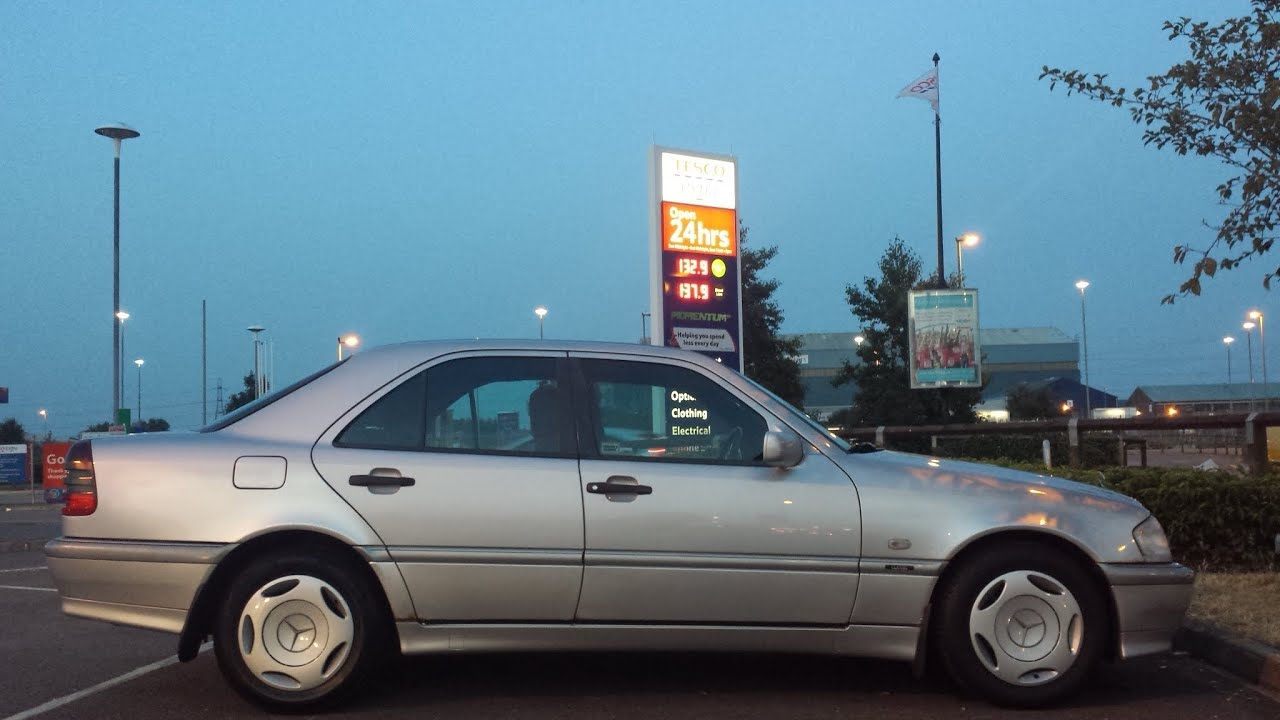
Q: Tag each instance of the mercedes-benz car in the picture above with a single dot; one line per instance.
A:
(442, 497)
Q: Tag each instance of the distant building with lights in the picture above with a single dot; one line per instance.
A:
(1209, 399)
(1009, 356)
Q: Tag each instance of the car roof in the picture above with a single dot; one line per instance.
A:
(426, 348)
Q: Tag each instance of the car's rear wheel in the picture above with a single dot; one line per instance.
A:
(297, 633)
(1021, 625)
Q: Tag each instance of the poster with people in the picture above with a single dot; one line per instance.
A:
(942, 326)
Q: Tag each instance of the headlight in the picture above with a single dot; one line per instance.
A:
(1151, 541)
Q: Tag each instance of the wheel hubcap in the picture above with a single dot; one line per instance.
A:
(295, 632)
(1026, 628)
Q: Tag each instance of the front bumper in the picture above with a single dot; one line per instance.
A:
(1151, 601)
(142, 584)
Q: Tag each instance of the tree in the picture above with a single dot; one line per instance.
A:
(151, 425)
(769, 358)
(98, 427)
(1224, 102)
(884, 395)
(12, 432)
(244, 397)
(1030, 402)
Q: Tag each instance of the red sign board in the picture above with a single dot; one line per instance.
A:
(55, 471)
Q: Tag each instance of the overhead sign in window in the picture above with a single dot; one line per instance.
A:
(943, 333)
(695, 278)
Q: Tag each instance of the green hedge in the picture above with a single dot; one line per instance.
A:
(1214, 520)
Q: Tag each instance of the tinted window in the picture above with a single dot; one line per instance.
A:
(654, 411)
(394, 422)
(490, 404)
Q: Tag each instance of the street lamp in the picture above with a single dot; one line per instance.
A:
(44, 415)
(1262, 340)
(122, 316)
(139, 362)
(118, 133)
(969, 239)
(1227, 341)
(1253, 393)
(257, 373)
(541, 312)
(350, 340)
(1084, 334)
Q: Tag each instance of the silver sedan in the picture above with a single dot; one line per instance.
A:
(531, 496)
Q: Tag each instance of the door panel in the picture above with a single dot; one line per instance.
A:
(719, 538)
(490, 529)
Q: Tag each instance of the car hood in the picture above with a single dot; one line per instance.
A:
(928, 470)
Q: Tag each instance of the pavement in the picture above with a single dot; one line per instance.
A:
(27, 522)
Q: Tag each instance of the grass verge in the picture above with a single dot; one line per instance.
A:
(1246, 604)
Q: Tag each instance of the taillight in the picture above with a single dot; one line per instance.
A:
(82, 487)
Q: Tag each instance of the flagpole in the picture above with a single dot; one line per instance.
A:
(937, 154)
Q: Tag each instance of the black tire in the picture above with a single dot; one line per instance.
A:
(339, 634)
(1022, 625)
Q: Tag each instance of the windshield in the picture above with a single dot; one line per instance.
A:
(245, 411)
(838, 442)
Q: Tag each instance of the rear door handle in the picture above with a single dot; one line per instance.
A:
(613, 487)
(381, 481)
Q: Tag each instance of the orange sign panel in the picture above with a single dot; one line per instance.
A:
(697, 229)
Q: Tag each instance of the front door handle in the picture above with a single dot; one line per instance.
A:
(381, 480)
(612, 486)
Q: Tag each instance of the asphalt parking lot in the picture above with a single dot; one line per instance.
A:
(60, 667)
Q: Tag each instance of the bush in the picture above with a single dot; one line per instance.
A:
(1214, 520)
(1096, 450)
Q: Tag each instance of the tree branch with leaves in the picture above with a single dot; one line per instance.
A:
(1223, 102)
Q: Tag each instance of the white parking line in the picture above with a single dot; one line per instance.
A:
(67, 699)
(24, 587)
(30, 569)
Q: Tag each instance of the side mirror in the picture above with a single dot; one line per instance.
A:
(783, 448)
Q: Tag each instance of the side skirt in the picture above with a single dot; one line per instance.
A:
(889, 642)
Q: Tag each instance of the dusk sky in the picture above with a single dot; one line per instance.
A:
(423, 170)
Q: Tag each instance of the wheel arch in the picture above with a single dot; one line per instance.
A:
(976, 546)
(204, 607)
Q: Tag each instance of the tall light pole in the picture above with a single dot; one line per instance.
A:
(1253, 392)
(1227, 341)
(44, 415)
(139, 363)
(118, 133)
(122, 316)
(541, 312)
(1262, 340)
(969, 239)
(350, 340)
(1084, 334)
(257, 371)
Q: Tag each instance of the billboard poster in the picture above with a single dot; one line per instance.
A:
(54, 474)
(695, 276)
(942, 327)
(13, 464)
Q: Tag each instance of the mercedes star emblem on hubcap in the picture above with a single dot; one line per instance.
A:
(297, 632)
(1026, 628)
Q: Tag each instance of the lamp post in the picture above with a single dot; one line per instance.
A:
(122, 316)
(1084, 335)
(118, 133)
(1253, 392)
(969, 239)
(44, 415)
(257, 373)
(1227, 341)
(541, 312)
(139, 363)
(1262, 340)
(350, 340)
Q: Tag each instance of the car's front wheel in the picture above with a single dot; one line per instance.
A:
(1021, 624)
(298, 633)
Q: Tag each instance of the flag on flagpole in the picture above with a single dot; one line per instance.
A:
(924, 87)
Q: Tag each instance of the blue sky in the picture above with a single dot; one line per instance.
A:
(428, 170)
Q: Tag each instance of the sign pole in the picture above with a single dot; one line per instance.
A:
(31, 471)
(937, 157)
